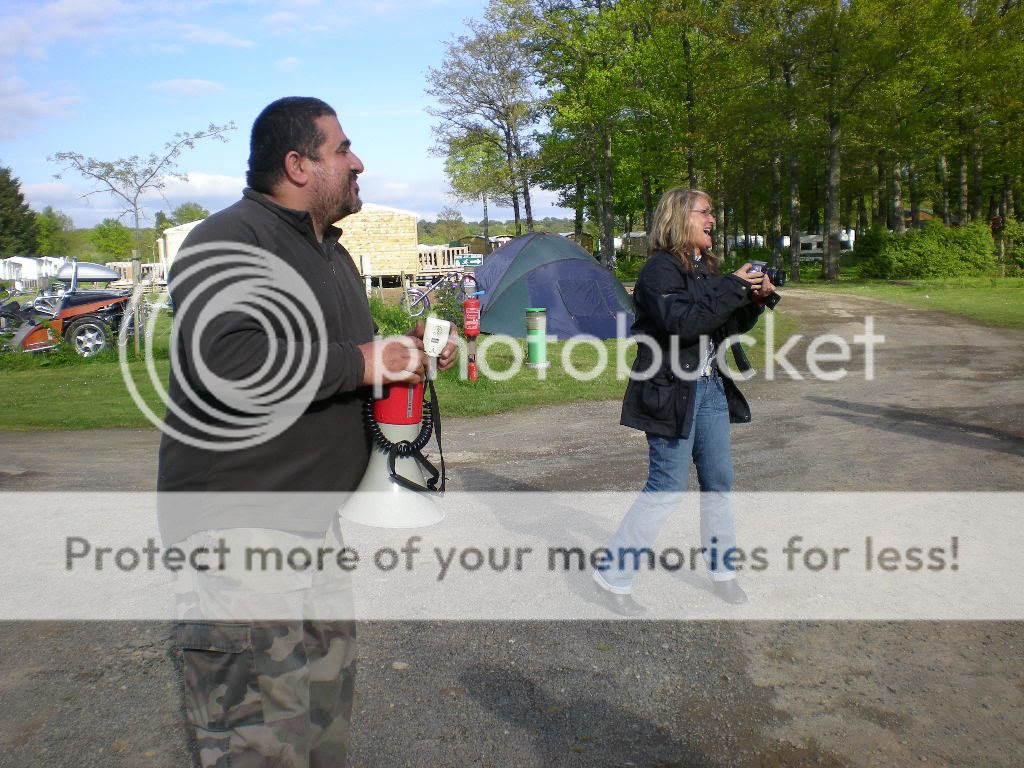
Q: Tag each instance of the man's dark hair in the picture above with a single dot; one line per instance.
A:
(285, 125)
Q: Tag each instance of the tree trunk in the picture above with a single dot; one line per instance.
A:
(578, 222)
(648, 200)
(510, 159)
(882, 209)
(776, 227)
(734, 220)
(834, 177)
(978, 198)
(691, 118)
(962, 211)
(896, 194)
(523, 177)
(847, 223)
(719, 239)
(915, 197)
(794, 179)
(814, 212)
(608, 202)
(747, 245)
(942, 171)
(487, 230)
(794, 216)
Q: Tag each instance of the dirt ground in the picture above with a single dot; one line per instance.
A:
(945, 412)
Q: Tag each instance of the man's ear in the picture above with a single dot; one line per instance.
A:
(296, 168)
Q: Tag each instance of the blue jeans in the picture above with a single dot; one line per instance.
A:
(669, 474)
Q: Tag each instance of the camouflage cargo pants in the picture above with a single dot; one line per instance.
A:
(274, 689)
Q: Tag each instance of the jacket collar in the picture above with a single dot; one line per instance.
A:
(299, 220)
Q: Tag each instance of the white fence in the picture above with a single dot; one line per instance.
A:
(438, 259)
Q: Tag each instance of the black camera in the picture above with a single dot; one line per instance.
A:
(777, 276)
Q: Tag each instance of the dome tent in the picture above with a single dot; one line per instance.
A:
(550, 271)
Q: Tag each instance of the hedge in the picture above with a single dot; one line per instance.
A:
(933, 251)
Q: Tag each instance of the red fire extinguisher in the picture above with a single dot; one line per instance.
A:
(471, 327)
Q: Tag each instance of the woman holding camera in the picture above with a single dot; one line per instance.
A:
(679, 397)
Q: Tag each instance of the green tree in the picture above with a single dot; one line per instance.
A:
(112, 239)
(477, 171)
(162, 222)
(55, 232)
(485, 85)
(188, 212)
(450, 225)
(18, 232)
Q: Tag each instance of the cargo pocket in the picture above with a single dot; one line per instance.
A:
(658, 398)
(221, 692)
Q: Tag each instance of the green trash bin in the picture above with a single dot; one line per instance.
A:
(536, 338)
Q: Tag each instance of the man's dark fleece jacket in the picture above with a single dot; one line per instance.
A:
(327, 448)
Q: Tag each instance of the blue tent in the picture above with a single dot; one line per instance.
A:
(550, 271)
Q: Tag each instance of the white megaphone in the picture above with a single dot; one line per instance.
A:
(401, 487)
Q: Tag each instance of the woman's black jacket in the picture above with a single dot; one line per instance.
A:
(675, 307)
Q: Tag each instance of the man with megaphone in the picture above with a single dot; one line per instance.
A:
(273, 358)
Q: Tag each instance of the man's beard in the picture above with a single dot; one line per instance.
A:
(331, 203)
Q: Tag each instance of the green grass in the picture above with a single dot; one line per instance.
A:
(995, 301)
(59, 391)
(89, 396)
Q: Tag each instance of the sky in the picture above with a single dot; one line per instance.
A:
(115, 78)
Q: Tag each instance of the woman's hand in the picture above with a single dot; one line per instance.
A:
(747, 274)
(760, 285)
(762, 289)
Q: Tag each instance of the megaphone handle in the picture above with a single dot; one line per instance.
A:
(420, 459)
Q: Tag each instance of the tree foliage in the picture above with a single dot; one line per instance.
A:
(484, 90)
(189, 212)
(113, 240)
(55, 230)
(450, 226)
(798, 116)
(18, 230)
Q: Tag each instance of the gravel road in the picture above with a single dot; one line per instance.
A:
(946, 412)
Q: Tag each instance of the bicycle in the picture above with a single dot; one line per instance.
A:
(416, 300)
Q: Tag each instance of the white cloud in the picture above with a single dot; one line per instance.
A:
(55, 193)
(67, 198)
(204, 185)
(197, 34)
(185, 87)
(166, 48)
(212, 191)
(23, 109)
(293, 22)
(30, 32)
(288, 64)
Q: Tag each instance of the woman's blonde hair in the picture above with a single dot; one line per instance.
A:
(674, 231)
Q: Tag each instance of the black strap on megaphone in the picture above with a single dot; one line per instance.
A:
(436, 479)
